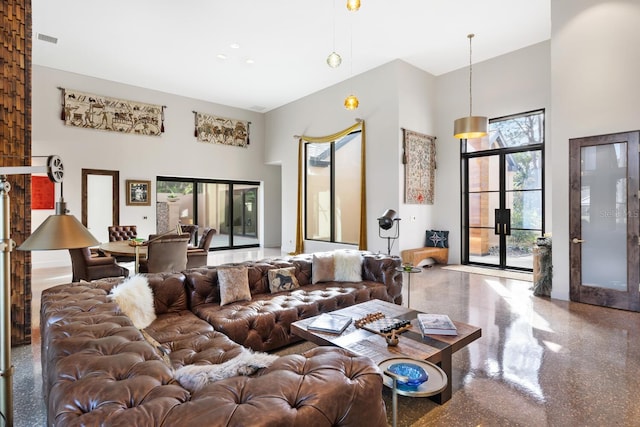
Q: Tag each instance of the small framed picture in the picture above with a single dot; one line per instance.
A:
(138, 193)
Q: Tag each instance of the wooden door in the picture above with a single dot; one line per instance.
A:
(603, 220)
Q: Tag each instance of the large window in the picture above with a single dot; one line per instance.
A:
(229, 207)
(332, 189)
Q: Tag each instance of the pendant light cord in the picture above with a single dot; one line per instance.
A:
(470, 36)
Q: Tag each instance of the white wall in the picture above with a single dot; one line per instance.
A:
(594, 84)
(513, 83)
(175, 153)
(417, 95)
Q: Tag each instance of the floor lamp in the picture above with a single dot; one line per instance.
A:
(385, 222)
(59, 231)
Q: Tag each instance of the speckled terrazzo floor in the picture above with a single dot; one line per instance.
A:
(540, 362)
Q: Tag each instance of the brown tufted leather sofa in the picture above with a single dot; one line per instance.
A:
(98, 369)
(263, 324)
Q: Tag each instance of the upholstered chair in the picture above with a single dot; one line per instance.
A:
(86, 266)
(191, 230)
(165, 254)
(122, 232)
(197, 257)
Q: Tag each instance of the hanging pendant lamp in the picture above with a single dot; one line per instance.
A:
(471, 126)
(351, 102)
(353, 5)
(334, 59)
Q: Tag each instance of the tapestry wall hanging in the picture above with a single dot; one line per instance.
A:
(86, 110)
(419, 158)
(220, 130)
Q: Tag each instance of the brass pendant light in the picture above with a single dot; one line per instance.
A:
(471, 126)
(351, 102)
(353, 5)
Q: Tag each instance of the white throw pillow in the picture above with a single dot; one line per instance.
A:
(348, 266)
(135, 298)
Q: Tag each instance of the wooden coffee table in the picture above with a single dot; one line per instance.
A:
(437, 349)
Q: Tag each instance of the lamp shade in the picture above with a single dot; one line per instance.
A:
(470, 127)
(386, 220)
(59, 231)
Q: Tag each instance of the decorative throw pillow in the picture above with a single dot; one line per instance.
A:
(234, 284)
(348, 266)
(322, 267)
(437, 239)
(282, 279)
(135, 299)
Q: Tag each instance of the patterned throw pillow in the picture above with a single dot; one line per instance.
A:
(282, 279)
(437, 239)
(234, 284)
(322, 267)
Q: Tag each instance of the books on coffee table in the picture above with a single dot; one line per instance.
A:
(327, 322)
(436, 324)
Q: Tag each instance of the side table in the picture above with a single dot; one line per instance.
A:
(409, 273)
(435, 384)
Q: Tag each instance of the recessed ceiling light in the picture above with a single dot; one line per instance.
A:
(221, 56)
(234, 46)
(250, 61)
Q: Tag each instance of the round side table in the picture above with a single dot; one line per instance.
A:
(435, 384)
(409, 273)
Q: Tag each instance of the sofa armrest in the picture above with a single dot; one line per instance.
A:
(100, 260)
(382, 268)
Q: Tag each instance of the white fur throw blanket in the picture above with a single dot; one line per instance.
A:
(135, 298)
(194, 377)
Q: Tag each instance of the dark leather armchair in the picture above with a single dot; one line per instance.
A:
(165, 254)
(197, 257)
(122, 232)
(191, 230)
(87, 267)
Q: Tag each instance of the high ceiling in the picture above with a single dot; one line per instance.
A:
(173, 46)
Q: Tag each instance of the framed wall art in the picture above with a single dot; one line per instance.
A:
(419, 158)
(138, 193)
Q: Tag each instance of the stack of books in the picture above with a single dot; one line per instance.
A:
(436, 324)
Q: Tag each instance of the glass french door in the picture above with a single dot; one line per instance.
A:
(603, 220)
(502, 198)
(504, 209)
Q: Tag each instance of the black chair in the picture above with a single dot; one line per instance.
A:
(86, 266)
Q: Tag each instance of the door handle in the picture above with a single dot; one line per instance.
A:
(504, 228)
(576, 240)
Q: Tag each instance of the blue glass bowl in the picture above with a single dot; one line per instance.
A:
(415, 373)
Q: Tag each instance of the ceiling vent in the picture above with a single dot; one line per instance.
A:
(48, 39)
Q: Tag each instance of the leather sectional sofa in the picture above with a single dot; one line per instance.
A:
(98, 369)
